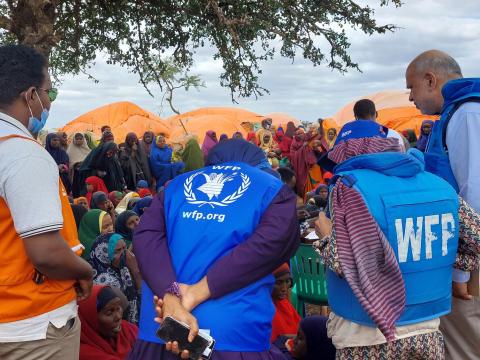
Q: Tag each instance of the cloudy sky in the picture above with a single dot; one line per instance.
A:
(303, 91)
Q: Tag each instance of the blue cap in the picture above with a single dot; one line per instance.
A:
(361, 129)
(142, 184)
(353, 130)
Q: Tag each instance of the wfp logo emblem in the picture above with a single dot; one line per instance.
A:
(209, 189)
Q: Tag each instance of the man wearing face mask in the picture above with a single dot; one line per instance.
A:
(42, 276)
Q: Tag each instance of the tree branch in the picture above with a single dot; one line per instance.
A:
(170, 101)
(228, 23)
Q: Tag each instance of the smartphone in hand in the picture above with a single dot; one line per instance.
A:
(173, 330)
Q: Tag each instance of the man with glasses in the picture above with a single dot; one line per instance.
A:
(52, 93)
(42, 276)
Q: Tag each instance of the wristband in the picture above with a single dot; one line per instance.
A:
(174, 289)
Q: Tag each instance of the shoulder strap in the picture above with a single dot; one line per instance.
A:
(2, 138)
(450, 113)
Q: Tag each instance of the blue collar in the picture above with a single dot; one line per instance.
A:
(459, 89)
(388, 163)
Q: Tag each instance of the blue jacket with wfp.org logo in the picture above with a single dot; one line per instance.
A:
(208, 213)
(418, 213)
(455, 93)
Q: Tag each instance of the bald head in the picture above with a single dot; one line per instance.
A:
(438, 62)
(426, 75)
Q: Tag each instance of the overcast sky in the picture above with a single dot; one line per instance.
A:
(303, 91)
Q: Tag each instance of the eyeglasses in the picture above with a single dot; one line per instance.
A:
(288, 282)
(52, 93)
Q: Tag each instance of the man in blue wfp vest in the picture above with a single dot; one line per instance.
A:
(390, 248)
(437, 87)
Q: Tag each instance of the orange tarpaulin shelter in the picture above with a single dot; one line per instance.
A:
(223, 120)
(123, 117)
(329, 123)
(403, 118)
(394, 111)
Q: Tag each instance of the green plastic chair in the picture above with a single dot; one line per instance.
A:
(310, 285)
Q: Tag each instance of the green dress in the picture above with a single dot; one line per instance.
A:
(192, 156)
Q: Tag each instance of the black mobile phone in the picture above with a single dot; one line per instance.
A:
(173, 330)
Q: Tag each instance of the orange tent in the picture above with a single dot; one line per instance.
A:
(223, 120)
(403, 118)
(123, 117)
(394, 111)
(329, 123)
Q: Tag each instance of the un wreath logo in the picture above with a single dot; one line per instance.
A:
(213, 188)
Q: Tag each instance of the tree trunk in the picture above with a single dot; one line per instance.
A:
(32, 22)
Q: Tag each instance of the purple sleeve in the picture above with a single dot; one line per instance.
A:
(275, 240)
(151, 248)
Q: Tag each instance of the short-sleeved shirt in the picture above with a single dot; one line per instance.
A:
(28, 182)
(30, 187)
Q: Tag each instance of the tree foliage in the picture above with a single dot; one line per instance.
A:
(145, 35)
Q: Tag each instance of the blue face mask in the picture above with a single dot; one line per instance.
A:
(34, 124)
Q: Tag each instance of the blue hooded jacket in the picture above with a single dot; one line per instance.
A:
(455, 93)
(418, 213)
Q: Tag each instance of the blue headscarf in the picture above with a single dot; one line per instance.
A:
(122, 228)
(112, 244)
(237, 150)
(107, 274)
(58, 154)
(98, 198)
(160, 156)
(423, 139)
(142, 204)
(320, 187)
(161, 164)
(142, 184)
